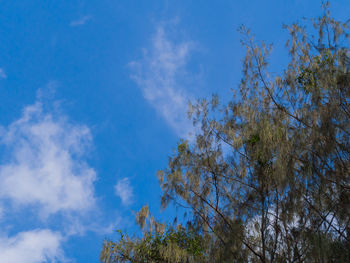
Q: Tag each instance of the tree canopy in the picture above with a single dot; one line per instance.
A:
(267, 177)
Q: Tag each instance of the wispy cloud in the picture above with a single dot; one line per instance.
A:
(159, 74)
(99, 225)
(1, 212)
(44, 165)
(108, 229)
(81, 21)
(124, 190)
(2, 74)
(32, 247)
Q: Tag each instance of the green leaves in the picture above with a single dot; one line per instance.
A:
(254, 139)
(182, 147)
(174, 245)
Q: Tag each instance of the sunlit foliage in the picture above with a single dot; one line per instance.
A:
(267, 178)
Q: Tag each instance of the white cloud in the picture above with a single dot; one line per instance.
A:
(1, 212)
(124, 190)
(81, 21)
(108, 228)
(99, 224)
(2, 74)
(31, 247)
(44, 164)
(159, 73)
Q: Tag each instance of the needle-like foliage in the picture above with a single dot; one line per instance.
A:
(267, 178)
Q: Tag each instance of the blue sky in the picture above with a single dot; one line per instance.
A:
(93, 100)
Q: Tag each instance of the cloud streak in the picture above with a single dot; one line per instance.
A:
(2, 74)
(81, 21)
(159, 75)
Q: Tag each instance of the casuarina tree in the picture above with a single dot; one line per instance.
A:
(267, 176)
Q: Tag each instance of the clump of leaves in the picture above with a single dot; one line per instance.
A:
(159, 243)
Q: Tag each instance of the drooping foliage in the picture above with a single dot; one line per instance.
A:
(267, 178)
(159, 243)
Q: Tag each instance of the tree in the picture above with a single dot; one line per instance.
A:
(267, 178)
(159, 243)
